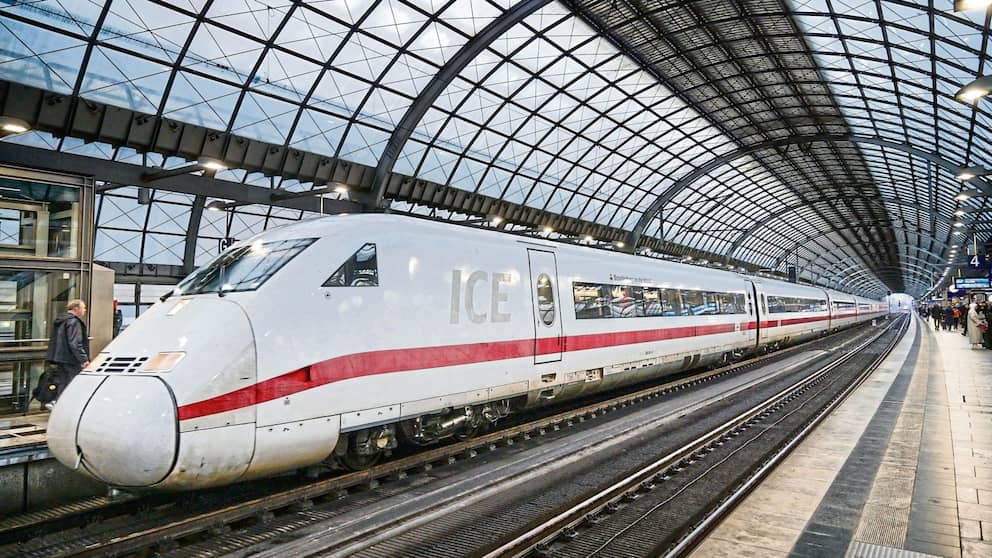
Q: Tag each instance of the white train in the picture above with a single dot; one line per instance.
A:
(339, 338)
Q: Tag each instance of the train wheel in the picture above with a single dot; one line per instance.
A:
(354, 461)
(366, 447)
(469, 432)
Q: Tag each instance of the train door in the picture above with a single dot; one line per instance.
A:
(547, 306)
(754, 312)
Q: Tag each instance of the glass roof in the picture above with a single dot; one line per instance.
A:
(837, 119)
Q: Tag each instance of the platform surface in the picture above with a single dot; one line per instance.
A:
(22, 437)
(902, 468)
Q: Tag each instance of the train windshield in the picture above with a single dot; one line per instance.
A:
(244, 268)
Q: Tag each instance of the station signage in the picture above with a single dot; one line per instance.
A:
(225, 243)
(978, 261)
(972, 283)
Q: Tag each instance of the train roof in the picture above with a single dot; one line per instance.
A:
(322, 226)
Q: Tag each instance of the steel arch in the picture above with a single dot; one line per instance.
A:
(655, 208)
(779, 214)
(425, 100)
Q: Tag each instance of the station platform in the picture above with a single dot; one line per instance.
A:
(30, 478)
(903, 468)
(22, 438)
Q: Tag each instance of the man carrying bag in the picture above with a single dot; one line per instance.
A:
(69, 347)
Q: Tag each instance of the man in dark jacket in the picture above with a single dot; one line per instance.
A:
(69, 346)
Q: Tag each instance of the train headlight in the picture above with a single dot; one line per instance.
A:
(163, 362)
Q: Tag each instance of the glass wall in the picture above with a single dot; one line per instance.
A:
(45, 221)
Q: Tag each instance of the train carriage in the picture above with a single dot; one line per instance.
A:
(791, 313)
(843, 310)
(336, 339)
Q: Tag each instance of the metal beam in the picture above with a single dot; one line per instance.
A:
(833, 230)
(129, 174)
(451, 70)
(926, 270)
(772, 217)
(922, 270)
(717, 162)
(192, 233)
(859, 277)
(937, 264)
(148, 274)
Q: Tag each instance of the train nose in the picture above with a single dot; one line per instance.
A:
(126, 434)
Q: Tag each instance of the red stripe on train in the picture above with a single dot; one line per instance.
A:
(400, 360)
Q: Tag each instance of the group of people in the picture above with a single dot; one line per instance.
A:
(972, 319)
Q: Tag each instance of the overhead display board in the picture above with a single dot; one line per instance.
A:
(971, 282)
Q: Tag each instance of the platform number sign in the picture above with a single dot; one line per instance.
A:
(978, 262)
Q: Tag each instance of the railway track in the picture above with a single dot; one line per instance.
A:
(654, 510)
(166, 524)
(607, 507)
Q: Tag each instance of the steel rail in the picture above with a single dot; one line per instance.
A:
(552, 528)
(703, 528)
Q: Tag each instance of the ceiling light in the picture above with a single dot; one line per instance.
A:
(341, 189)
(975, 90)
(619, 244)
(968, 173)
(959, 224)
(588, 238)
(548, 230)
(12, 125)
(211, 163)
(968, 5)
(215, 205)
(966, 194)
(960, 212)
(958, 232)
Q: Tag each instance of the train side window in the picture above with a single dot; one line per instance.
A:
(693, 303)
(671, 302)
(545, 299)
(622, 301)
(360, 270)
(652, 301)
(639, 301)
(731, 303)
(590, 301)
(764, 302)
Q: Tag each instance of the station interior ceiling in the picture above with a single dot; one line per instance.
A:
(829, 135)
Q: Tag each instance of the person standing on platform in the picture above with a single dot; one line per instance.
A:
(948, 318)
(936, 315)
(963, 318)
(985, 310)
(976, 323)
(69, 346)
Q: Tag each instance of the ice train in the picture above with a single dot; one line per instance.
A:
(335, 339)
